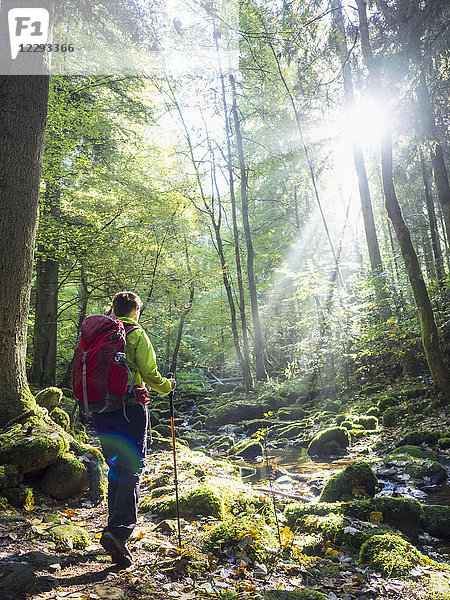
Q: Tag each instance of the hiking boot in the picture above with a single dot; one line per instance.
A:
(117, 549)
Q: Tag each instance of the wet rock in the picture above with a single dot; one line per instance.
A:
(65, 477)
(421, 471)
(49, 398)
(329, 441)
(357, 479)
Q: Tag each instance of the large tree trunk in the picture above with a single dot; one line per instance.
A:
(439, 370)
(437, 253)
(23, 102)
(437, 155)
(258, 344)
(247, 375)
(358, 157)
(46, 312)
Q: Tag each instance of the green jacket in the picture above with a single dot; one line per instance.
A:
(141, 357)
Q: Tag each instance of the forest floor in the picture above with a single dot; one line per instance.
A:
(160, 571)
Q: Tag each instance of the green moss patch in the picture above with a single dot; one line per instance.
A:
(243, 534)
(417, 437)
(368, 422)
(32, 445)
(401, 513)
(247, 449)
(60, 417)
(328, 440)
(70, 536)
(392, 417)
(9, 476)
(391, 555)
(356, 480)
(65, 478)
(436, 520)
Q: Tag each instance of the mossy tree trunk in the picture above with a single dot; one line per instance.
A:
(47, 273)
(433, 354)
(23, 101)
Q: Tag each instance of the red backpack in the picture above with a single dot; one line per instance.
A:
(100, 372)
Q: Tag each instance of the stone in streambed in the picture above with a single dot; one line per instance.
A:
(357, 480)
(328, 441)
(436, 520)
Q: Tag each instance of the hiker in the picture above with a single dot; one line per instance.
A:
(123, 432)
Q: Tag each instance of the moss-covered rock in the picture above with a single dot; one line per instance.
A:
(60, 417)
(70, 536)
(247, 449)
(401, 513)
(32, 445)
(49, 398)
(248, 534)
(436, 520)
(391, 555)
(291, 432)
(386, 402)
(233, 412)
(392, 417)
(417, 452)
(444, 443)
(417, 437)
(320, 444)
(224, 442)
(421, 470)
(202, 500)
(65, 477)
(356, 480)
(373, 412)
(291, 413)
(10, 476)
(368, 422)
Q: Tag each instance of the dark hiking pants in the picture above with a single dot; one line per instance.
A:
(123, 436)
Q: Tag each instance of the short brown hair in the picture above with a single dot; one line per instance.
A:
(125, 302)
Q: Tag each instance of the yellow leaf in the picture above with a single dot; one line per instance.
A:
(375, 517)
(331, 552)
(29, 502)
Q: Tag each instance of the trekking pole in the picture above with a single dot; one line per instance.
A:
(172, 426)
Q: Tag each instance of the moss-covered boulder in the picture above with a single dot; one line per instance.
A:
(392, 417)
(247, 449)
(367, 422)
(246, 534)
(65, 477)
(32, 445)
(10, 476)
(373, 412)
(291, 413)
(222, 443)
(436, 520)
(254, 425)
(233, 412)
(356, 480)
(60, 417)
(421, 470)
(329, 441)
(386, 402)
(202, 500)
(417, 452)
(402, 514)
(71, 536)
(49, 398)
(444, 442)
(391, 555)
(417, 437)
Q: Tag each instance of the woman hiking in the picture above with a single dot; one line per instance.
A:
(123, 431)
